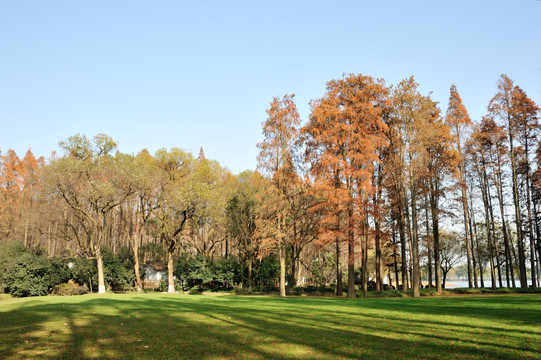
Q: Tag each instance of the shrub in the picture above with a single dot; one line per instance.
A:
(227, 272)
(268, 271)
(69, 288)
(9, 251)
(31, 275)
(84, 271)
(298, 290)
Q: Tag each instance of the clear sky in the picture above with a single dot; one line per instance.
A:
(155, 74)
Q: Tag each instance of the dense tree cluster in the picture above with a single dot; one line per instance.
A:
(377, 184)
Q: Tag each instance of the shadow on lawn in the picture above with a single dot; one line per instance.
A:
(162, 327)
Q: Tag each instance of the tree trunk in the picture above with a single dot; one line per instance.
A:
(495, 241)
(483, 184)
(473, 238)
(428, 245)
(444, 278)
(299, 272)
(339, 289)
(466, 223)
(402, 234)
(170, 270)
(410, 243)
(538, 241)
(499, 192)
(282, 254)
(416, 274)
(377, 234)
(101, 277)
(250, 271)
(351, 255)
(395, 255)
(530, 226)
(293, 276)
(365, 257)
(480, 262)
(138, 281)
(518, 221)
(436, 235)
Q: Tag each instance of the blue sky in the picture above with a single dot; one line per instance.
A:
(155, 74)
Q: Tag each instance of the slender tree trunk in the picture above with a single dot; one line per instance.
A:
(496, 247)
(170, 270)
(434, 202)
(466, 220)
(293, 276)
(402, 234)
(282, 254)
(101, 277)
(300, 280)
(538, 240)
(395, 256)
(428, 244)
(444, 278)
(410, 243)
(480, 261)
(49, 245)
(365, 257)
(138, 281)
(250, 265)
(377, 237)
(55, 237)
(377, 234)
(351, 244)
(339, 289)
(483, 183)
(416, 274)
(518, 221)
(530, 227)
(475, 260)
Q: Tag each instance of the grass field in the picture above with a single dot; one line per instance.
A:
(162, 326)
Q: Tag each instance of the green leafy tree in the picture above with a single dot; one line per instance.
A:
(93, 183)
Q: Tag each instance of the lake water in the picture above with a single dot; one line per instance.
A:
(451, 284)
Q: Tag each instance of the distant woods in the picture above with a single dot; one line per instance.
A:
(377, 188)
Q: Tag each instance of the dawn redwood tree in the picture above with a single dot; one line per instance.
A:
(440, 161)
(479, 149)
(505, 108)
(493, 142)
(342, 138)
(31, 172)
(414, 125)
(526, 119)
(459, 122)
(11, 183)
(276, 155)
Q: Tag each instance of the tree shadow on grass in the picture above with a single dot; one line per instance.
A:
(177, 327)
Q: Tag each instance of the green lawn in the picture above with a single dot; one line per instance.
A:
(162, 326)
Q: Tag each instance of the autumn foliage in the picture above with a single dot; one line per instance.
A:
(378, 182)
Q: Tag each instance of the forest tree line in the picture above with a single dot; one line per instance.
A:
(378, 185)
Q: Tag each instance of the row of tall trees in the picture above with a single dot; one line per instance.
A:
(377, 180)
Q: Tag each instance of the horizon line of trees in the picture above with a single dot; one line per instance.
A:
(377, 184)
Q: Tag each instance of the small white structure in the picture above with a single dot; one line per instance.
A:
(155, 272)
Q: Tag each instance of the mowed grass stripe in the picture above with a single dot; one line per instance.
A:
(162, 326)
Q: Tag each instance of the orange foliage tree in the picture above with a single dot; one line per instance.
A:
(276, 154)
(342, 138)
